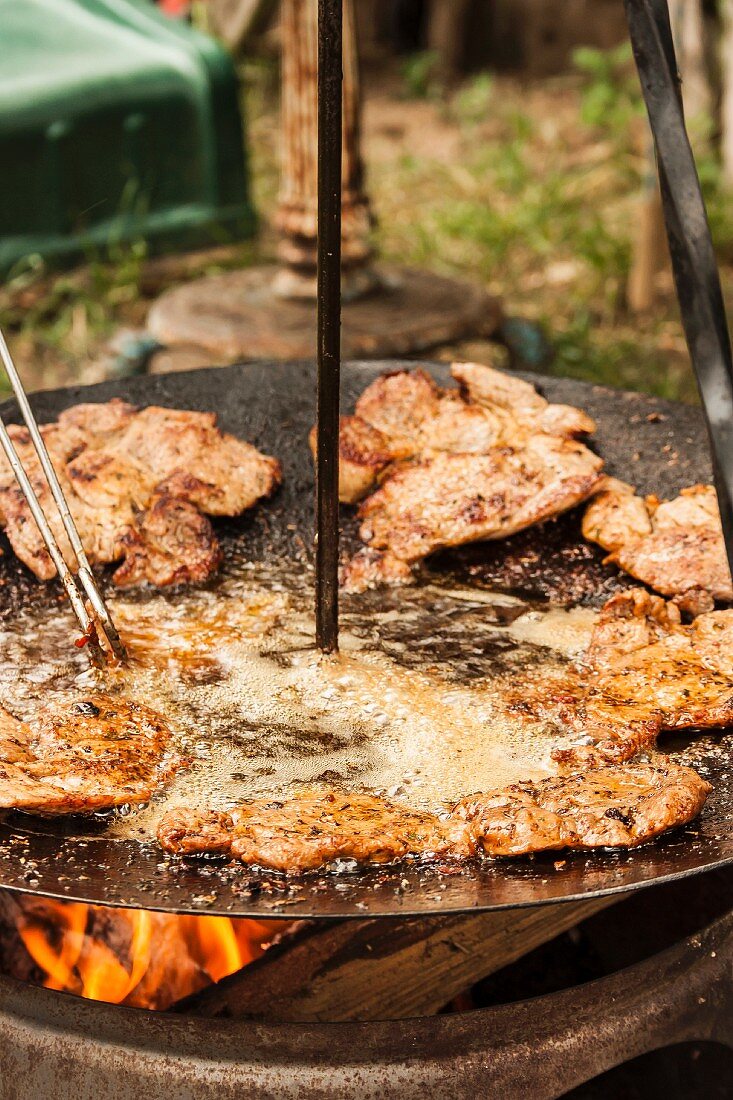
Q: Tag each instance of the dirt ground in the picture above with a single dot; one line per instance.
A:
(526, 188)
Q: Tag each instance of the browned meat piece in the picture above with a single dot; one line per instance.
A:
(229, 475)
(104, 480)
(137, 484)
(171, 543)
(644, 672)
(463, 429)
(398, 405)
(675, 546)
(370, 568)
(363, 453)
(314, 828)
(461, 470)
(85, 756)
(496, 390)
(451, 499)
(613, 807)
(97, 425)
(196, 832)
(14, 738)
(99, 525)
(609, 807)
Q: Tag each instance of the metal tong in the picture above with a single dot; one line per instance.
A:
(91, 613)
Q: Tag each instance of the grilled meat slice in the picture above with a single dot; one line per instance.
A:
(171, 543)
(97, 425)
(370, 568)
(14, 738)
(197, 832)
(607, 807)
(454, 470)
(398, 405)
(229, 475)
(461, 428)
(413, 416)
(81, 757)
(99, 522)
(644, 672)
(314, 828)
(364, 452)
(614, 807)
(496, 390)
(674, 546)
(451, 499)
(137, 484)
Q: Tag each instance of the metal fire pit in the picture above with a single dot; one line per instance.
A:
(58, 1046)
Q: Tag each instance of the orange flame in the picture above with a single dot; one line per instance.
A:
(137, 957)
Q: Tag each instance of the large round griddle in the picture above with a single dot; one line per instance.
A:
(659, 446)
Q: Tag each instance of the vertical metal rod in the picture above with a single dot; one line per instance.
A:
(691, 248)
(330, 17)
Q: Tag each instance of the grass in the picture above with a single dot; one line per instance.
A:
(541, 206)
(531, 190)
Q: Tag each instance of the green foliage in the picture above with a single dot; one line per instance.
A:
(57, 304)
(420, 75)
(611, 98)
(473, 102)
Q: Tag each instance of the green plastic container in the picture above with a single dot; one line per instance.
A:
(116, 124)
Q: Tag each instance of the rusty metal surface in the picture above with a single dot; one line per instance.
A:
(659, 446)
(56, 1045)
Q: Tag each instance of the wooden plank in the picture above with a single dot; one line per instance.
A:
(385, 969)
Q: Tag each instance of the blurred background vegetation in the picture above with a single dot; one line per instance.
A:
(528, 181)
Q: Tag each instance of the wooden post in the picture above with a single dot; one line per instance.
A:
(688, 28)
(297, 214)
(649, 248)
(726, 65)
(446, 35)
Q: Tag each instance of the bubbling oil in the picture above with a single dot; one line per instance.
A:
(421, 703)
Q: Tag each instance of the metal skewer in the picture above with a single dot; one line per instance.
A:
(100, 618)
(330, 21)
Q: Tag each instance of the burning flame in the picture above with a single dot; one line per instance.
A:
(136, 957)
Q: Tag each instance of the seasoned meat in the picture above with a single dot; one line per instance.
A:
(674, 546)
(463, 429)
(405, 414)
(92, 754)
(98, 424)
(139, 485)
(14, 738)
(228, 475)
(313, 829)
(456, 466)
(370, 568)
(364, 452)
(398, 405)
(451, 499)
(644, 672)
(496, 390)
(608, 807)
(171, 543)
(614, 807)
